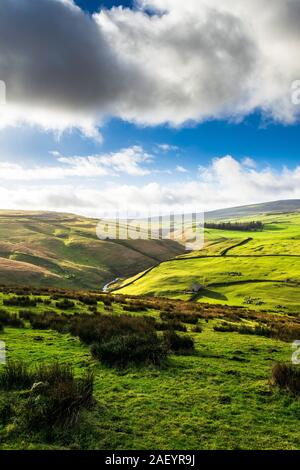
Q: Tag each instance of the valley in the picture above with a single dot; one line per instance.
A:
(193, 352)
(63, 250)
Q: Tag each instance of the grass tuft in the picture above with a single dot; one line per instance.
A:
(286, 377)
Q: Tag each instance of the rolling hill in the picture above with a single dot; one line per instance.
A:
(63, 250)
(261, 269)
(289, 205)
(220, 384)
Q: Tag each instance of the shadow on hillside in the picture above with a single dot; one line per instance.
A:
(209, 294)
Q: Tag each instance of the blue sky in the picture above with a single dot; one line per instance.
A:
(94, 5)
(270, 143)
(140, 155)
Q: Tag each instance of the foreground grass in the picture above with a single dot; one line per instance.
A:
(218, 398)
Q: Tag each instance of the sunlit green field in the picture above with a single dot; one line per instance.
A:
(219, 397)
(234, 268)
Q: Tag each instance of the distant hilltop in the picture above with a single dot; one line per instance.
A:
(284, 206)
(291, 205)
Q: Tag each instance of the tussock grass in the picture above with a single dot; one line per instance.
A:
(283, 330)
(178, 343)
(54, 397)
(131, 349)
(184, 317)
(20, 301)
(15, 376)
(10, 319)
(286, 377)
(65, 304)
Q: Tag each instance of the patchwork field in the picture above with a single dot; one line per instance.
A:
(235, 267)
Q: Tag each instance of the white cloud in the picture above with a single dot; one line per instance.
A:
(225, 182)
(167, 147)
(194, 60)
(54, 153)
(129, 161)
(181, 169)
(249, 162)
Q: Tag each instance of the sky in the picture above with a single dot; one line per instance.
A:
(161, 104)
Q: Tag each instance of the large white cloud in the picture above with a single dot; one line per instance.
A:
(225, 182)
(191, 60)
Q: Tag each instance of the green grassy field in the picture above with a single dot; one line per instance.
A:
(234, 268)
(218, 397)
(62, 250)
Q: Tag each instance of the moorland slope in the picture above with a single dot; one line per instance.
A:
(63, 250)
